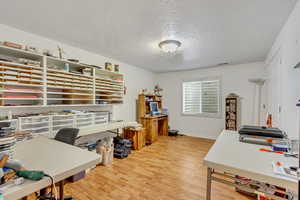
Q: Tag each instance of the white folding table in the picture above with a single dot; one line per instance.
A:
(56, 159)
(230, 156)
(104, 127)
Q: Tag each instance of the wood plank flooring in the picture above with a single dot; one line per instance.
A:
(170, 169)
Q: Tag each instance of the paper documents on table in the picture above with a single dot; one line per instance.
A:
(284, 170)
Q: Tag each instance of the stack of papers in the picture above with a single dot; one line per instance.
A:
(284, 170)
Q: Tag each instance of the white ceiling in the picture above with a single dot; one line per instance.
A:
(211, 31)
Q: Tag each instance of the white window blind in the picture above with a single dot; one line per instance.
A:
(201, 97)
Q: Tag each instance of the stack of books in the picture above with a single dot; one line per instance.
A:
(7, 139)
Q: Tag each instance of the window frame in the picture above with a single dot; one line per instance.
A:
(206, 115)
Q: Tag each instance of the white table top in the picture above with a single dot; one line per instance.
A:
(230, 155)
(54, 158)
(104, 127)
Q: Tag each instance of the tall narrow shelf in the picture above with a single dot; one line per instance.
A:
(55, 82)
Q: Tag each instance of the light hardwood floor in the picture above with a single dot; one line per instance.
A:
(170, 169)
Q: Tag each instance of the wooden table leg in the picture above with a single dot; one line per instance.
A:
(61, 190)
(208, 184)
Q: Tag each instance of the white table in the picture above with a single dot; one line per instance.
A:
(229, 155)
(55, 158)
(105, 127)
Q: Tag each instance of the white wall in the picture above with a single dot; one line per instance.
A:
(234, 80)
(287, 50)
(135, 78)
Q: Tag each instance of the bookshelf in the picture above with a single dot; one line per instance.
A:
(30, 79)
(232, 112)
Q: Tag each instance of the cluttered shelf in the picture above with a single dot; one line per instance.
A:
(32, 74)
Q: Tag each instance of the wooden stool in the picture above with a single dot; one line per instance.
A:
(137, 136)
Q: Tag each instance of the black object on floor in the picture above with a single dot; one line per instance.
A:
(122, 147)
(173, 132)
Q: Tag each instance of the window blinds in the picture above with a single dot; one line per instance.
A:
(201, 97)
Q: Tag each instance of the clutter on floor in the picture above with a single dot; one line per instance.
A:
(105, 148)
(122, 147)
(173, 132)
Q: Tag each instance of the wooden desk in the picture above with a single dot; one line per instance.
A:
(229, 155)
(155, 126)
(57, 159)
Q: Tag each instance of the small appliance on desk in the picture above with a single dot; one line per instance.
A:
(154, 108)
(261, 135)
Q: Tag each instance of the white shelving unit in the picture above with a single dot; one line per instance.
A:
(55, 82)
(51, 124)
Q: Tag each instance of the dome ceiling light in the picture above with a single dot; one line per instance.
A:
(169, 46)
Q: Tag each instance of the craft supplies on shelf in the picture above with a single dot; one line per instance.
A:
(28, 78)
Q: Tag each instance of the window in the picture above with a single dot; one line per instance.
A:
(202, 98)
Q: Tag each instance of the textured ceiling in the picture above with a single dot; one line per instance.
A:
(211, 31)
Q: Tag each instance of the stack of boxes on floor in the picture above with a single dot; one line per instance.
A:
(122, 147)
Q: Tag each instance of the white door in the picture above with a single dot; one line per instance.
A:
(274, 89)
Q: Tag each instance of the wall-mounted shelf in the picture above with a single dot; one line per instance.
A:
(48, 81)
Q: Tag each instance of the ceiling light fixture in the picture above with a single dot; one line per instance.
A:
(169, 46)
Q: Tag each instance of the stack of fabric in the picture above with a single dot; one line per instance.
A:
(7, 139)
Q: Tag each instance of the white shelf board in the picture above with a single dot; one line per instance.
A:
(62, 61)
(20, 65)
(69, 88)
(68, 93)
(20, 79)
(27, 92)
(21, 99)
(62, 120)
(108, 86)
(76, 105)
(106, 72)
(71, 99)
(70, 73)
(107, 80)
(33, 129)
(62, 125)
(22, 75)
(108, 95)
(21, 70)
(19, 84)
(70, 77)
(19, 52)
(109, 83)
(33, 123)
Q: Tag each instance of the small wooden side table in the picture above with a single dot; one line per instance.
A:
(137, 136)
